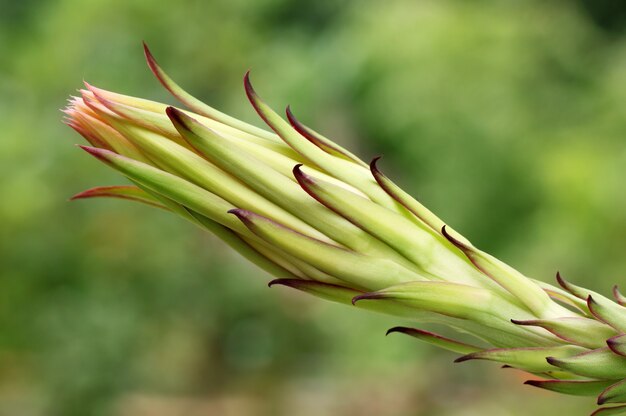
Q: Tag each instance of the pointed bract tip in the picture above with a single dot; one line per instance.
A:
(561, 281)
(238, 212)
(534, 383)
(275, 281)
(296, 124)
(248, 85)
(401, 329)
(294, 283)
(454, 241)
(367, 296)
(290, 115)
(296, 170)
(101, 154)
(172, 112)
(374, 166)
(520, 322)
(303, 179)
(465, 357)
(553, 361)
(151, 61)
(602, 398)
(591, 302)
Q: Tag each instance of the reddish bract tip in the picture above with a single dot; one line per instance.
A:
(175, 115)
(374, 167)
(152, 63)
(400, 329)
(466, 357)
(616, 346)
(453, 240)
(553, 361)
(301, 128)
(367, 296)
(248, 86)
(97, 152)
(295, 123)
(562, 281)
(240, 213)
(303, 179)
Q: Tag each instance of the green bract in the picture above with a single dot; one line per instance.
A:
(322, 221)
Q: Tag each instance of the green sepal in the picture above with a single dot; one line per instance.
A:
(347, 265)
(581, 331)
(615, 393)
(528, 359)
(172, 187)
(465, 302)
(128, 192)
(617, 344)
(610, 411)
(572, 387)
(608, 312)
(520, 286)
(235, 241)
(435, 339)
(600, 363)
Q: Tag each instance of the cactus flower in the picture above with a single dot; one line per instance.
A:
(320, 220)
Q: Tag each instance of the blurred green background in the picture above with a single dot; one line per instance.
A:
(506, 118)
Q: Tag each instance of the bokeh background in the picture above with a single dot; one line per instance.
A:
(506, 118)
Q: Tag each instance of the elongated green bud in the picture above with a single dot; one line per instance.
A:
(318, 219)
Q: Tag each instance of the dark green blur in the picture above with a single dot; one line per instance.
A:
(506, 118)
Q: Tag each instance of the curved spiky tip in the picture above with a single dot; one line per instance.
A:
(521, 322)
(239, 213)
(454, 241)
(294, 283)
(400, 329)
(153, 65)
(374, 165)
(95, 151)
(561, 281)
(250, 92)
(295, 123)
(466, 357)
(297, 172)
(367, 296)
